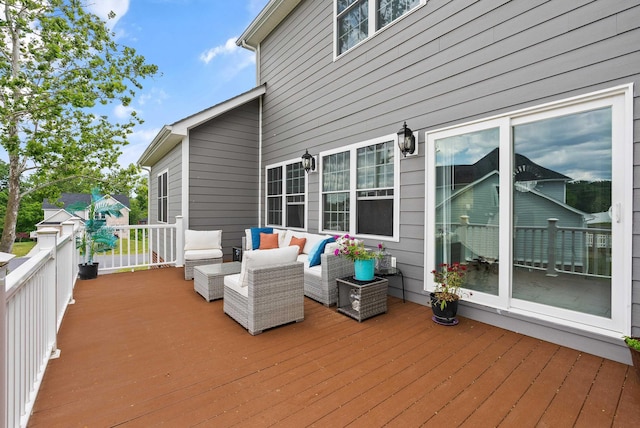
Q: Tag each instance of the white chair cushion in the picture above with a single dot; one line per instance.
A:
(202, 239)
(233, 282)
(202, 254)
(331, 248)
(313, 270)
(263, 258)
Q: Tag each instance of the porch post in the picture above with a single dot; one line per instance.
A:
(4, 261)
(552, 230)
(179, 241)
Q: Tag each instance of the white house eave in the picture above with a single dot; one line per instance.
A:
(171, 135)
(267, 20)
(164, 141)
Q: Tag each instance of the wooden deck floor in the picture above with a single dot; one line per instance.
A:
(143, 349)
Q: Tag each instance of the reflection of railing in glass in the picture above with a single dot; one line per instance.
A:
(554, 249)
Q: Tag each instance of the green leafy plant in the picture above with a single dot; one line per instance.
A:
(353, 249)
(449, 278)
(96, 236)
(632, 342)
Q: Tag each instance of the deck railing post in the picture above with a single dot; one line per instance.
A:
(68, 228)
(4, 262)
(179, 241)
(552, 230)
(462, 236)
(48, 240)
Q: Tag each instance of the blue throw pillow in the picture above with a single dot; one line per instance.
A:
(255, 235)
(317, 250)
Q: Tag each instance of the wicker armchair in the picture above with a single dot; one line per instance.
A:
(320, 282)
(201, 247)
(273, 295)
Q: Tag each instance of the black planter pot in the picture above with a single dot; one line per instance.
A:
(87, 271)
(446, 315)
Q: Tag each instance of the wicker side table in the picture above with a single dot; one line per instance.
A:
(371, 295)
(208, 280)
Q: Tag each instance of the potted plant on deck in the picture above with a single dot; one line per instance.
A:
(363, 259)
(633, 343)
(96, 236)
(445, 297)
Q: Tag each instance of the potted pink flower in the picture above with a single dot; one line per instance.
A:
(363, 258)
(445, 297)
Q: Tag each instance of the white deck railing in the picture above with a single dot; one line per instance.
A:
(140, 247)
(38, 292)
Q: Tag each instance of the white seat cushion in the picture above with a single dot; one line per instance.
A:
(233, 282)
(264, 258)
(313, 270)
(202, 254)
(202, 239)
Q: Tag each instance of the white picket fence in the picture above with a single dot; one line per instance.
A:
(38, 292)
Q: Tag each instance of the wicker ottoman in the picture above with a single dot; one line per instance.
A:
(208, 280)
(190, 264)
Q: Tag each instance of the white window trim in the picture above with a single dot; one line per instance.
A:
(165, 171)
(353, 190)
(372, 26)
(621, 99)
(284, 196)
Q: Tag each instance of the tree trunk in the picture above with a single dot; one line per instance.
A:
(13, 204)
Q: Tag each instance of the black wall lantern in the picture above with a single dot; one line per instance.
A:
(308, 162)
(406, 140)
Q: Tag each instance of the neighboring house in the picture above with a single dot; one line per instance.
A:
(552, 81)
(67, 200)
(52, 219)
(468, 196)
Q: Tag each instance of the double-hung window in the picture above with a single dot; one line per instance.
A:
(163, 198)
(360, 189)
(286, 195)
(356, 20)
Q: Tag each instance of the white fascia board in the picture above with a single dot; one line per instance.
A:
(182, 127)
(171, 135)
(267, 20)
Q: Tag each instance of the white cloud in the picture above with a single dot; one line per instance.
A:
(102, 8)
(229, 48)
(122, 112)
(155, 96)
(138, 142)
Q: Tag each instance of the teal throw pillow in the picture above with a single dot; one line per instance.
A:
(255, 235)
(317, 250)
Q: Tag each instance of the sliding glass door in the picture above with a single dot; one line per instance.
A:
(536, 204)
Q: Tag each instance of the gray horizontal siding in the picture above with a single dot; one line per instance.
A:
(223, 174)
(172, 163)
(448, 62)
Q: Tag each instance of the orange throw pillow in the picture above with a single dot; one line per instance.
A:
(299, 242)
(268, 241)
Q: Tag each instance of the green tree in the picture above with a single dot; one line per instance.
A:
(58, 64)
(139, 203)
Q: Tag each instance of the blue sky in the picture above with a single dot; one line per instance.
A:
(193, 44)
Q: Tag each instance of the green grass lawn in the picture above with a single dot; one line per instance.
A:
(21, 249)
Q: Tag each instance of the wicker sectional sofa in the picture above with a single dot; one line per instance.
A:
(319, 280)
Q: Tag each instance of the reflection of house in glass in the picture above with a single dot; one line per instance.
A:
(548, 233)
